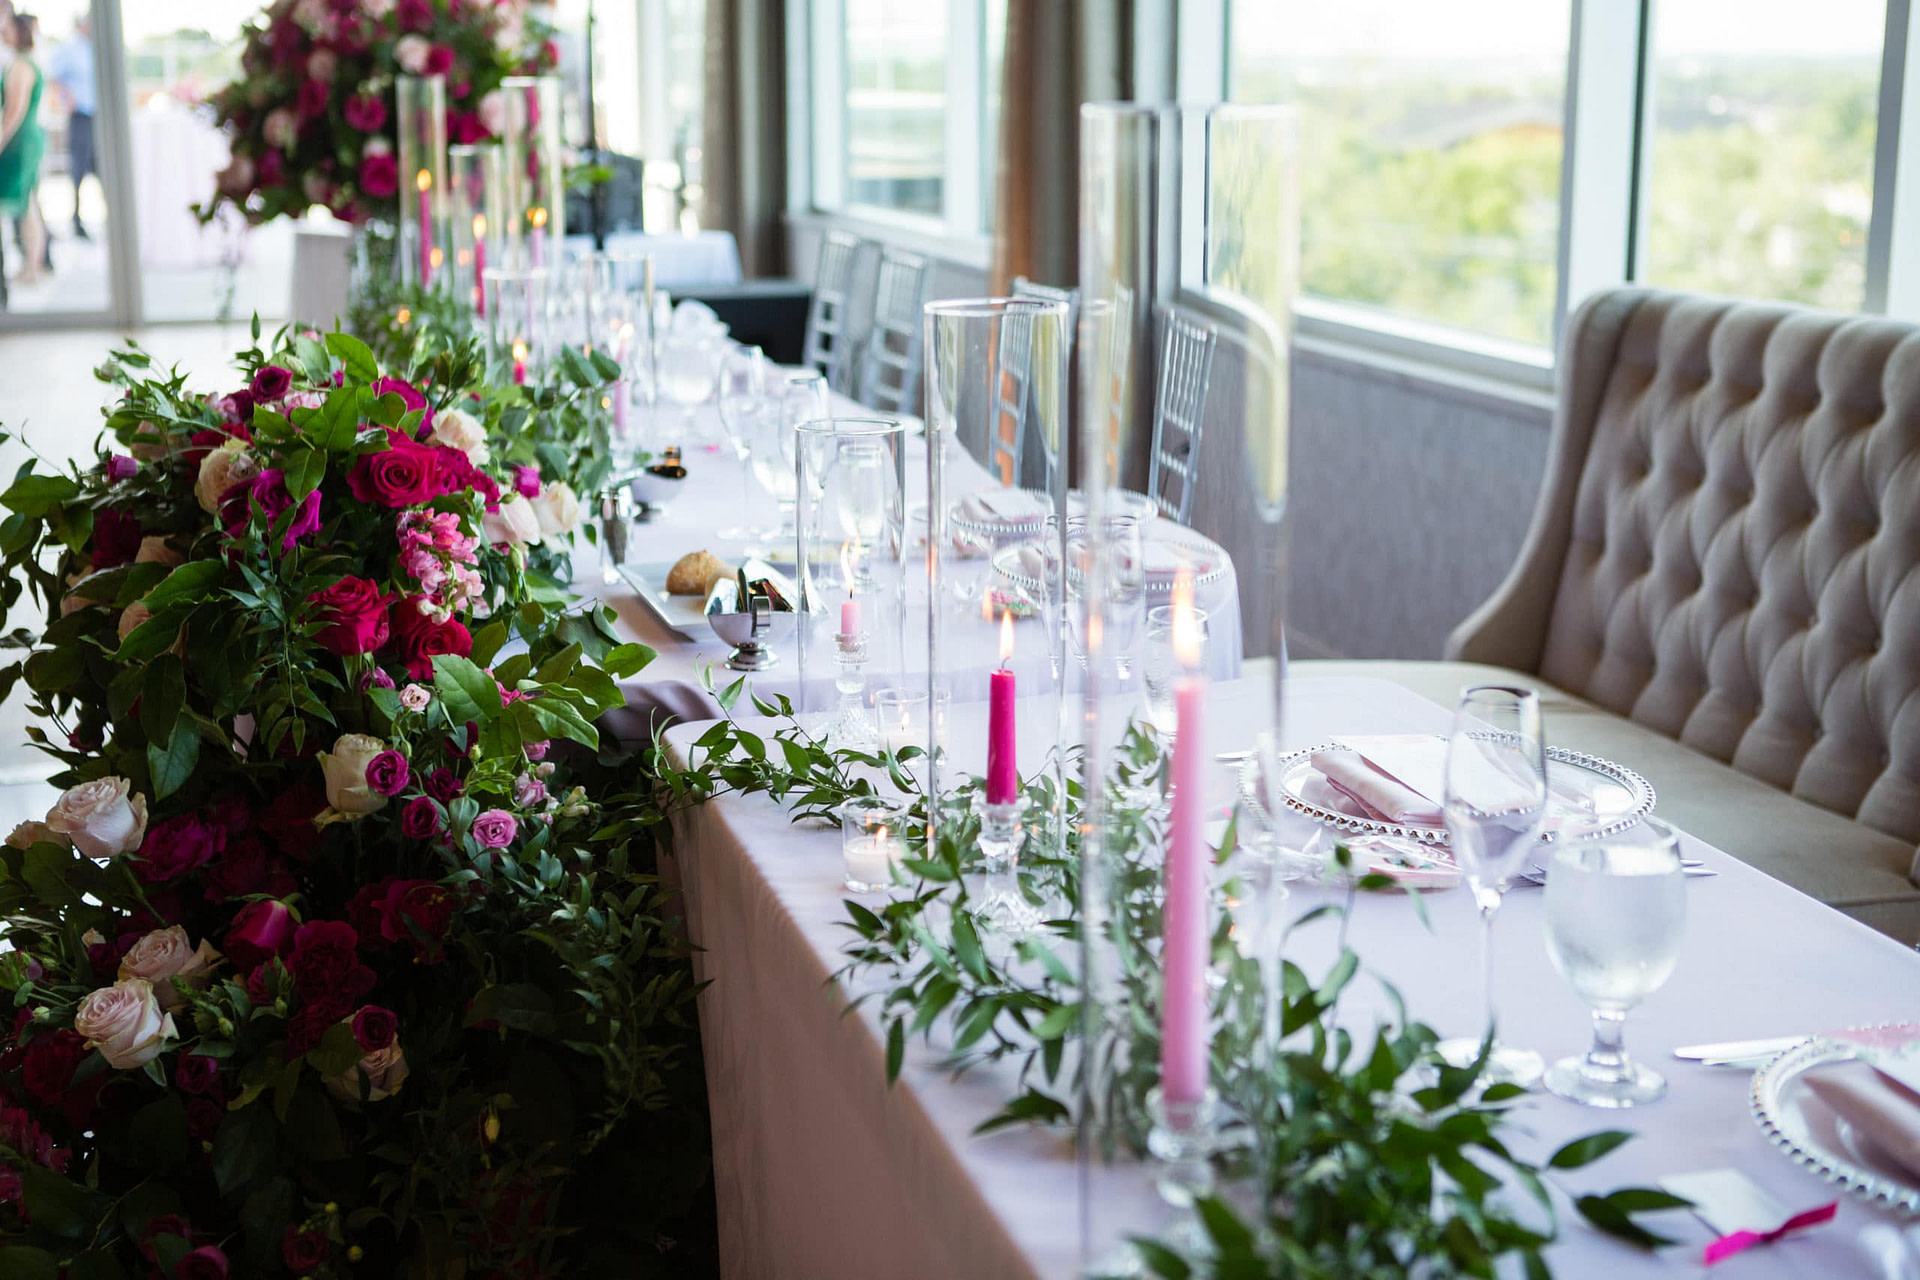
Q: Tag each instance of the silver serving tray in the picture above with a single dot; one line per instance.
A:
(1626, 798)
(1817, 1140)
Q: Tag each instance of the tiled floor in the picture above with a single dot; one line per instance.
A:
(50, 405)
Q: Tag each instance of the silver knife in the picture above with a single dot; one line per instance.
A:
(1737, 1050)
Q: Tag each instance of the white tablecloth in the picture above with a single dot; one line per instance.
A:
(176, 153)
(714, 497)
(821, 1169)
(679, 261)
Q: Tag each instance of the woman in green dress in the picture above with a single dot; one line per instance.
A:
(22, 142)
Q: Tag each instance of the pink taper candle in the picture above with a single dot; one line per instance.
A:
(849, 617)
(1003, 771)
(480, 265)
(1183, 1008)
(425, 183)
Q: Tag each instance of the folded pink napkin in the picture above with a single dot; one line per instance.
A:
(1382, 796)
(1884, 1114)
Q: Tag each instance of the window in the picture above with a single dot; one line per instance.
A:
(896, 105)
(1760, 173)
(904, 105)
(1430, 141)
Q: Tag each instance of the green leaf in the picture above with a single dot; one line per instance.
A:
(336, 429)
(159, 1133)
(244, 1148)
(1584, 1151)
(1161, 1260)
(468, 692)
(558, 719)
(305, 469)
(1613, 1220)
(24, 1262)
(162, 694)
(896, 1048)
(487, 641)
(626, 660)
(189, 582)
(170, 766)
(355, 355)
(35, 495)
(59, 1205)
(337, 1051)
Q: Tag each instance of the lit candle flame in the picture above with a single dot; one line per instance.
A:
(402, 316)
(1186, 628)
(479, 226)
(1006, 636)
(537, 216)
(986, 606)
(519, 350)
(423, 180)
(848, 551)
(436, 257)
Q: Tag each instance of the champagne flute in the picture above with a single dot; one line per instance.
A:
(742, 391)
(1127, 591)
(1495, 804)
(1615, 912)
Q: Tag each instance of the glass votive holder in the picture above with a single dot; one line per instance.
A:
(905, 721)
(1163, 665)
(871, 840)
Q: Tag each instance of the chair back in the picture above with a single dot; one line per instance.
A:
(1727, 543)
(1179, 408)
(826, 347)
(889, 374)
(1025, 288)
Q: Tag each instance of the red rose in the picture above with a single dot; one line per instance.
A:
(443, 785)
(324, 962)
(287, 821)
(421, 639)
(304, 1250)
(116, 539)
(439, 60)
(355, 612)
(195, 1073)
(262, 928)
(50, 1064)
(379, 175)
(203, 1118)
(244, 870)
(177, 846)
(365, 112)
(205, 1263)
(311, 99)
(307, 1028)
(374, 1028)
(404, 474)
(457, 472)
(465, 129)
(421, 819)
(271, 167)
(163, 1224)
(270, 382)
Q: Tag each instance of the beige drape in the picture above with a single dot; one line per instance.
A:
(743, 135)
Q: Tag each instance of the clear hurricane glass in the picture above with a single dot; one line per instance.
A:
(420, 127)
(1616, 910)
(770, 447)
(1162, 667)
(475, 199)
(1495, 804)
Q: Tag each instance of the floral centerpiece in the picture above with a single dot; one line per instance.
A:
(327, 961)
(311, 118)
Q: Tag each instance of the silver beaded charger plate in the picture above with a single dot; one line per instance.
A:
(1808, 1133)
(1615, 798)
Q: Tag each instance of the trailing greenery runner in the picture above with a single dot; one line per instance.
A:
(339, 953)
(1357, 1157)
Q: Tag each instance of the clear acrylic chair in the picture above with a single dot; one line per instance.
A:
(1179, 410)
(1013, 361)
(1025, 288)
(889, 373)
(826, 346)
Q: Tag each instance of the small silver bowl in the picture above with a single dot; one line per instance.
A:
(752, 631)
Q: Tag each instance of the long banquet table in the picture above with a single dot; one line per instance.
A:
(822, 1169)
(715, 496)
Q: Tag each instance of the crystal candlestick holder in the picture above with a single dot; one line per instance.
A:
(1183, 1139)
(853, 728)
(1002, 833)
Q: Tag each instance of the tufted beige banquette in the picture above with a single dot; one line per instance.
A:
(1721, 584)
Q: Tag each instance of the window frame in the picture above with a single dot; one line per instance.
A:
(817, 130)
(1603, 175)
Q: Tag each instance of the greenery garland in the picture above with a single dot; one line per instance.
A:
(1358, 1159)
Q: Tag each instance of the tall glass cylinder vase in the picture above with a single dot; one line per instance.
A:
(519, 325)
(420, 121)
(1173, 198)
(475, 200)
(996, 494)
(850, 520)
(535, 180)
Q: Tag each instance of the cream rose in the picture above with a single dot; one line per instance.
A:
(515, 523)
(411, 51)
(493, 112)
(125, 1023)
(222, 469)
(281, 128)
(83, 593)
(345, 768)
(458, 429)
(558, 509)
(154, 550)
(102, 818)
(30, 833)
(149, 442)
(386, 1071)
(169, 962)
(132, 616)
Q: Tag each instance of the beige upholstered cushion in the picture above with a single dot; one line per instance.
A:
(1727, 549)
(1843, 863)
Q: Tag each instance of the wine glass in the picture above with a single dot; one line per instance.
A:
(802, 398)
(1126, 591)
(689, 368)
(1495, 803)
(741, 397)
(1615, 911)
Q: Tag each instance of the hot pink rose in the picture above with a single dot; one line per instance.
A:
(355, 613)
(365, 112)
(495, 829)
(379, 175)
(420, 639)
(404, 474)
(263, 928)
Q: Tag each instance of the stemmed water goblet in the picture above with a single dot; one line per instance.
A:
(742, 396)
(1615, 912)
(1495, 803)
(803, 398)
